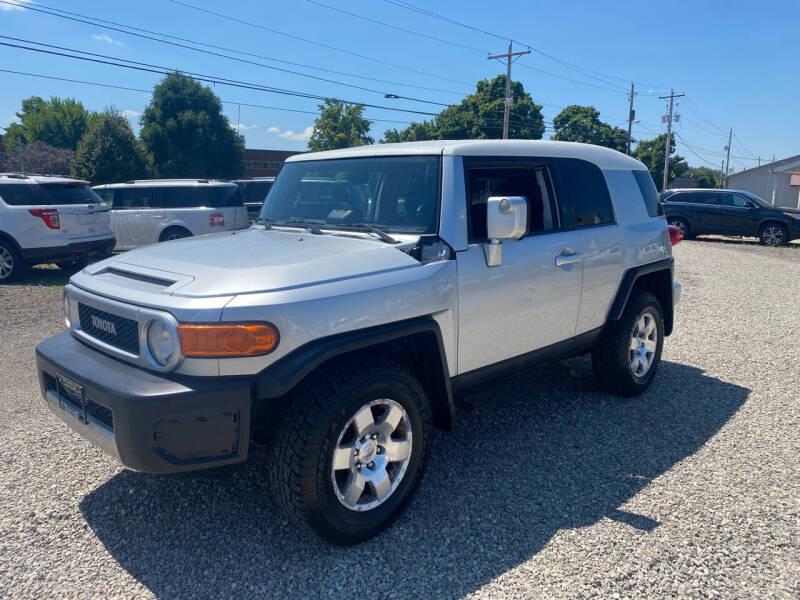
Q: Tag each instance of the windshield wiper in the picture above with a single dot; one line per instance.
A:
(385, 237)
(266, 222)
(304, 223)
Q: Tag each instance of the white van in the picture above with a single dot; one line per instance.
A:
(156, 210)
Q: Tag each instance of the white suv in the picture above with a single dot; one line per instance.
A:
(149, 211)
(49, 219)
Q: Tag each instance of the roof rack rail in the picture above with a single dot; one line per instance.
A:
(168, 179)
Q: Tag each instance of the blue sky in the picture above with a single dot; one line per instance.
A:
(735, 61)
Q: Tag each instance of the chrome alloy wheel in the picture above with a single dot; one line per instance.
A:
(680, 224)
(371, 455)
(644, 341)
(6, 263)
(772, 235)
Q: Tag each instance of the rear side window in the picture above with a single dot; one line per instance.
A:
(106, 195)
(22, 194)
(649, 192)
(256, 191)
(70, 193)
(195, 197)
(587, 199)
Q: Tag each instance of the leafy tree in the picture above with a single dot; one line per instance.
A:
(38, 157)
(651, 153)
(582, 124)
(56, 122)
(340, 125)
(480, 116)
(185, 133)
(706, 177)
(109, 152)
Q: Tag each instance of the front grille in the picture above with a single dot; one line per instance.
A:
(100, 412)
(114, 330)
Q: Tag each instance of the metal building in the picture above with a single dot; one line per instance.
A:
(777, 182)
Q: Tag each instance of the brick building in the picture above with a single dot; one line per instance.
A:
(264, 163)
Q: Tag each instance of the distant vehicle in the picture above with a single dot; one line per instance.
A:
(49, 219)
(156, 210)
(254, 192)
(730, 212)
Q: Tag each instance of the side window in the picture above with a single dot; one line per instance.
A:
(134, 197)
(649, 192)
(706, 198)
(22, 194)
(739, 201)
(510, 179)
(107, 195)
(587, 199)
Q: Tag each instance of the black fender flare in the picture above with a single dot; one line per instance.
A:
(628, 283)
(282, 376)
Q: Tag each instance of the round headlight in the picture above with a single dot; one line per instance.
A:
(67, 319)
(160, 342)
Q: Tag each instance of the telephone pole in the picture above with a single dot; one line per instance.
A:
(507, 105)
(631, 117)
(668, 117)
(728, 157)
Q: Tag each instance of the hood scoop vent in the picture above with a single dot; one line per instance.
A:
(149, 279)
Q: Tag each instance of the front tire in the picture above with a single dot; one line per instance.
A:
(351, 450)
(627, 356)
(12, 266)
(773, 234)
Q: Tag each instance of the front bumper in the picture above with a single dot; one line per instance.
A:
(103, 246)
(149, 422)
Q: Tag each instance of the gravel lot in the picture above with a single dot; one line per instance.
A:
(546, 489)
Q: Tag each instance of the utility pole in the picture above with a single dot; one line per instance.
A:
(728, 157)
(672, 96)
(631, 117)
(507, 105)
(21, 161)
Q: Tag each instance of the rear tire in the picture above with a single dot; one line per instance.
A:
(174, 233)
(12, 267)
(337, 418)
(618, 367)
(681, 224)
(773, 234)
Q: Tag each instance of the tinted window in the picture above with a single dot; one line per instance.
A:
(255, 191)
(511, 179)
(70, 193)
(195, 197)
(22, 194)
(398, 193)
(587, 200)
(649, 192)
(106, 195)
(729, 199)
(133, 197)
(691, 198)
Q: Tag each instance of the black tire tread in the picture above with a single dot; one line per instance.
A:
(20, 266)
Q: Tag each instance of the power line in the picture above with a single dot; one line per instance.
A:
(693, 107)
(120, 87)
(314, 42)
(209, 52)
(688, 147)
(139, 66)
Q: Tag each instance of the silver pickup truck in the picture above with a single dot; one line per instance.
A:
(377, 283)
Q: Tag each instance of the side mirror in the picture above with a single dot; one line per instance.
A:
(506, 219)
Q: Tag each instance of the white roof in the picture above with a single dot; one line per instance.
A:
(167, 183)
(605, 158)
(26, 178)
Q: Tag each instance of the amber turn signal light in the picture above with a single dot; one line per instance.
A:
(227, 341)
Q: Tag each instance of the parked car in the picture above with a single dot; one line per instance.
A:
(47, 219)
(378, 283)
(730, 212)
(254, 192)
(156, 210)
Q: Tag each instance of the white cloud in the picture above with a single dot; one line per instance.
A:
(242, 127)
(131, 114)
(291, 135)
(104, 37)
(17, 6)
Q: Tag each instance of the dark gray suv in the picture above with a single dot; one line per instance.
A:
(730, 212)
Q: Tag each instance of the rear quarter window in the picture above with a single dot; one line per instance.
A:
(195, 197)
(70, 193)
(22, 194)
(649, 192)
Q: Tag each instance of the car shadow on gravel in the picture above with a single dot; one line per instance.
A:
(532, 455)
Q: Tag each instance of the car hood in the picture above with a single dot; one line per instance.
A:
(258, 260)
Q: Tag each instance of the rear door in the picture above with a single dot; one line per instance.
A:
(134, 218)
(83, 215)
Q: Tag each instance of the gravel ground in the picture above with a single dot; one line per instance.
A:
(546, 489)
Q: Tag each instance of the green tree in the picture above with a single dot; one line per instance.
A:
(651, 153)
(109, 152)
(706, 177)
(185, 133)
(340, 125)
(582, 124)
(56, 122)
(480, 116)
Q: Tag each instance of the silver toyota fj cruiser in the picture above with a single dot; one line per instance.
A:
(377, 283)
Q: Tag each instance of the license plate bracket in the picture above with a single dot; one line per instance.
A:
(71, 398)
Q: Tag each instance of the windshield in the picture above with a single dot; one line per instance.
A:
(395, 193)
